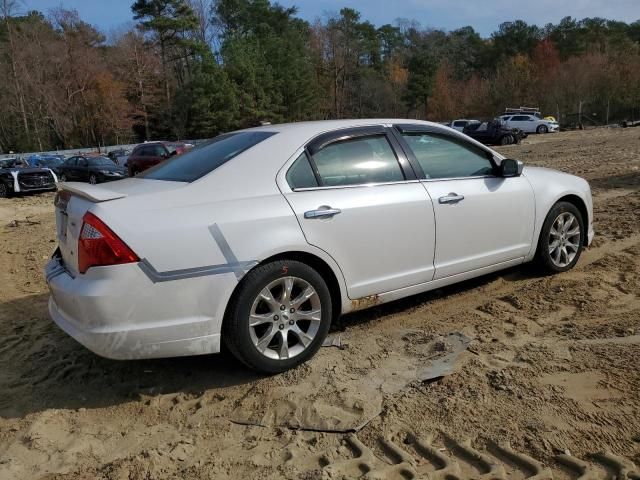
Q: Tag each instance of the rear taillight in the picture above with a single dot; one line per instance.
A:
(99, 246)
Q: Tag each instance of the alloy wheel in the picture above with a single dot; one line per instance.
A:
(564, 239)
(93, 180)
(285, 318)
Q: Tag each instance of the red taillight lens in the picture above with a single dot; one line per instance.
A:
(99, 246)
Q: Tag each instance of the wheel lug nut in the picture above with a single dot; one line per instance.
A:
(290, 322)
(281, 326)
(293, 310)
(282, 307)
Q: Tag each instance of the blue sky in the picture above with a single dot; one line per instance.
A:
(483, 15)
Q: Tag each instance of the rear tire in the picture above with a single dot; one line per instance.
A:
(271, 331)
(63, 178)
(506, 140)
(93, 179)
(561, 239)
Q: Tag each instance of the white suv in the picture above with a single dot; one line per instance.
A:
(530, 123)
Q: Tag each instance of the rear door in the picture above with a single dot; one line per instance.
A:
(82, 169)
(67, 169)
(481, 219)
(357, 198)
(525, 123)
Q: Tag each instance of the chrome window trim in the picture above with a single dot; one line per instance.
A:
(447, 179)
(357, 185)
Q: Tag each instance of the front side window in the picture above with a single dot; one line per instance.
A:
(443, 157)
(206, 157)
(358, 161)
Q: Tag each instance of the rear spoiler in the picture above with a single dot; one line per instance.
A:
(95, 193)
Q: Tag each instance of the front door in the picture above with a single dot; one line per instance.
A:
(481, 219)
(356, 198)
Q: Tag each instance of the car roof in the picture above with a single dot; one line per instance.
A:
(317, 127)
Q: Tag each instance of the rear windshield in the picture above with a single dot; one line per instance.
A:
(206, 157)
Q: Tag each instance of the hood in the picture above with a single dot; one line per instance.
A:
(110, 168)
(25, 170)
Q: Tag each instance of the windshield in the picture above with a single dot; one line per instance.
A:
(12, 163)
(172, 147)
(100, 161)
(50, 162)
(206, 157)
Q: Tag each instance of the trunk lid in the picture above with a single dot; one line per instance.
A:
(74, 199)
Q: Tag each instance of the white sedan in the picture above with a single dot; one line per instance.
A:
(261, 237)
(530, 123)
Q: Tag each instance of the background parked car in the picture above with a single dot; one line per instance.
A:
(17, 175)
(49, 161)
(119, 156)
(495, 132)
(530, 123)
(83, 168)
(152, 153)
(461, 124)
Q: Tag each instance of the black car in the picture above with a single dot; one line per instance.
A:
(17, 176)
(90, 169)
(494, 132)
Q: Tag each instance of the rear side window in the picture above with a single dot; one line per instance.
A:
(443, 157)
(300, 175)
(206, 157)
(358, 161)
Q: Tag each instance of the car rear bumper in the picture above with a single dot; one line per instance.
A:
(118, 313)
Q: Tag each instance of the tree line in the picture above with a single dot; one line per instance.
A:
(196, 68)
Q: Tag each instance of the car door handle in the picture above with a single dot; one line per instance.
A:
(322, 213)
(451, 198)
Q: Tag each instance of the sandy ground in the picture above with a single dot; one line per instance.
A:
(552, 368)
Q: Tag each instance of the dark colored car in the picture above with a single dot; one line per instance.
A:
(49, 161)
(83, 168)
(147, 155)
(17, 176)
(494, 132)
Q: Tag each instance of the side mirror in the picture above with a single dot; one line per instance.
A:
(511, 168)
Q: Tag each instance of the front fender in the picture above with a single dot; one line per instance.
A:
(549, 186)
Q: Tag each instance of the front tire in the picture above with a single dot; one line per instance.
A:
(279, 316)
(542, 129)
(63, 178)
(93, 179)
(561, 239)
(5, 192)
